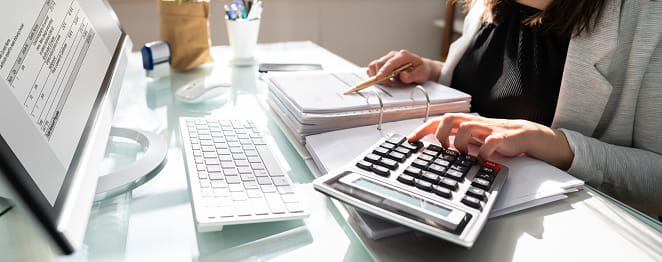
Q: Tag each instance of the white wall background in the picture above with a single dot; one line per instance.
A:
(358, 30)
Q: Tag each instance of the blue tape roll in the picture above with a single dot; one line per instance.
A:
(155, 53)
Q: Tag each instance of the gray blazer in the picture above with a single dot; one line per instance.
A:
(610, 101)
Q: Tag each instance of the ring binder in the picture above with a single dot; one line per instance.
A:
(427, 98)
(381, 109)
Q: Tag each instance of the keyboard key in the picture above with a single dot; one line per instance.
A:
(264, 180)
(201, 167)
(253, 193)
(236, 188)
(450, 152)
(251, 185)
(203, 174)
(260, 173)
(238, 196)
(275, 203)
(481, 183)
(430, 152)
(209, 161)
(426, 158)
(280, 181)
(413, 146)
(463, 162)
(232, 179)
(388, 146)
(268, 188)
(230, 171)
(216, 176)
(442, 162)
(213, 168)
(494, 166)
(257, 166)
(290, 198)
(208, 148)
(448, 158)
(204, 183)
(247, 177)
(404, 151)
(218, 183)
(471, 201)
(441, 191)
(244, 170)
(476, 192)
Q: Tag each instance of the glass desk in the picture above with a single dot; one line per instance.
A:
(154, 222)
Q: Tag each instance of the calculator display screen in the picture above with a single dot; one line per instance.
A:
(402, 197)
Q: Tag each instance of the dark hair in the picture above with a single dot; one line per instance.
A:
(567, 17)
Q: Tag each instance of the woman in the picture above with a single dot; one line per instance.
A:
(579, 81)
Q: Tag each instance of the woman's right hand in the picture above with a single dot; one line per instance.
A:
(423, 69)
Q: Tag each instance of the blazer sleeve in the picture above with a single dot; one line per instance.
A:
(627, 173)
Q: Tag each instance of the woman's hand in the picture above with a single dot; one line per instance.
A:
(423, 69)
(506, 137)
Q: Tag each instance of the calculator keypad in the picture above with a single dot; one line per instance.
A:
(434, 169)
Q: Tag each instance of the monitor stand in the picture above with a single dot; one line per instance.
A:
(137, 173)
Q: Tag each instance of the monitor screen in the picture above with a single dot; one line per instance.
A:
(57, 61)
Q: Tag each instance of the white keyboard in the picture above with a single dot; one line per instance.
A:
(234, 177)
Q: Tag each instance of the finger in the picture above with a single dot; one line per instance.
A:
(492, 143)
(424, 130)
(379, 63)
(401, 58)
(445, 128)
(466, 133)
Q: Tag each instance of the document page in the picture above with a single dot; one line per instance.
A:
(52, 64)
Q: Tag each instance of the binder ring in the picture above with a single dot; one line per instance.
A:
(381, 110)
(427, 98)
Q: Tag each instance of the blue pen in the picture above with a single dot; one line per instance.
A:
(232, 14)
(241, 8)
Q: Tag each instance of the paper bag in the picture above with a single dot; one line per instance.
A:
(185, 26)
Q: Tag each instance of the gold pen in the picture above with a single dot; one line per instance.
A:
(373, 81)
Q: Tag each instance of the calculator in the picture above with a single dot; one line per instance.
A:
(435, 190)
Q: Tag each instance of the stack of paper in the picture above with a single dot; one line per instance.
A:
(530, 182)
(313, 102)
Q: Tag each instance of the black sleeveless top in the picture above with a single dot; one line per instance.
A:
(512, 70)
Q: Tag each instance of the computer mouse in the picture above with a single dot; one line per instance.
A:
(201, 90)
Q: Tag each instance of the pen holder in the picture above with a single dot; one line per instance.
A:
(242, 34)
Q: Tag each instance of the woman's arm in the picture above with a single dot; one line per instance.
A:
(630, 174)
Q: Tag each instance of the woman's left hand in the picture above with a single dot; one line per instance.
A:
(506, 137)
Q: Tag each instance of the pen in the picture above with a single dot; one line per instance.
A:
(373, 81)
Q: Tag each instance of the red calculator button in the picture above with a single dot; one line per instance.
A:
(491, 165)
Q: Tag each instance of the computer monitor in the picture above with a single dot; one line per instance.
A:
(61, 67)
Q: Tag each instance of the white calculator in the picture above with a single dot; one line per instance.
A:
(423, 186)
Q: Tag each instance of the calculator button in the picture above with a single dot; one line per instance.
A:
(381, 151)
(485, 176)
(387, 145)
(388, 163)
(460, 168)
(450, 152)
(442, 162)
(463, 162)
(454, 174)
(412, 146)
(406, 179)
(448, 183)
(397, 156)
(430, 152)
(426, 158)
(471, 201)
(402, 150)
(413, 171)
(422, 164)
(481, 183)
(487, 170)
(469, 158)
(476, 192)
(430, 177)
(448, 158)
(396, 139)
(492, 165)
(422, 184)
(435, 148)
(380, 170)
(437, 169)
(372, 158)
(365, 165)
(441, 191)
